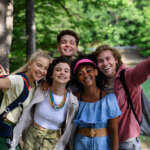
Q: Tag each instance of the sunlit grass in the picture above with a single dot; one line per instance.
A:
(146, 87)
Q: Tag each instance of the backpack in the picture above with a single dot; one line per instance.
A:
(6, 130)
(145, 122)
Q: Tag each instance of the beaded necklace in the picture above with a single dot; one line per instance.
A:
(52, 101)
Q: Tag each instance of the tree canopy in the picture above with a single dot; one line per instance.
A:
(115, 22)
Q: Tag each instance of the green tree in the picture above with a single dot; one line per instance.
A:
(6, 26)
(115, 22)
(30, 28)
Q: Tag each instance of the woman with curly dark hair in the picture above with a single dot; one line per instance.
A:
(97, 116)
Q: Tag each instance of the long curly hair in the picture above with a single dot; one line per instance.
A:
(100, 79)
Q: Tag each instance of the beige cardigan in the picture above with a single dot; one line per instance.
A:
(26, 120)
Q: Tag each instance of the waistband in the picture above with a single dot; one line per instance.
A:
(131, 139)
(93, 132)
(39, 127)
(45, 129)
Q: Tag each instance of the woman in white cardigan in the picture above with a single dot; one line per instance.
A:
(52, 118)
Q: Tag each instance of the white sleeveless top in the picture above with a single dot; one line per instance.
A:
(48, 117)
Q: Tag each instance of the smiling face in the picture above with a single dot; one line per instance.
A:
(61, 73)
(38, 68)
(67, 45)
(107, 63)
(86, 74)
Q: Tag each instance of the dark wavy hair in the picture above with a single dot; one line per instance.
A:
(67, 32)
(57, 60)
(100, 79)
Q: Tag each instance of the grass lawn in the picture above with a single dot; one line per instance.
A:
(146, 87)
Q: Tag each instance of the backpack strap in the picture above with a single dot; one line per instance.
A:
(19, 101)
(129, 100)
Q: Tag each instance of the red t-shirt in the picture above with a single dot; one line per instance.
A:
(128, 125)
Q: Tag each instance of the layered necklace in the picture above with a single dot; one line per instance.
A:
(52, 101)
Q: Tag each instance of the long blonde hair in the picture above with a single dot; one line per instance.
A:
(33, 57)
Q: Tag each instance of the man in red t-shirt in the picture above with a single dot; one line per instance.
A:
(110, 64)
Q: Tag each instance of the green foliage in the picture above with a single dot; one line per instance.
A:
(115, 22)
(143, 36)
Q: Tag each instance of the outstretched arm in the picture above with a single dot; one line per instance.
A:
(21, 69)
(138, 74)
(113, 133)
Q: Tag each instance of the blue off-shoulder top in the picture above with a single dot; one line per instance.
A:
(95, 115)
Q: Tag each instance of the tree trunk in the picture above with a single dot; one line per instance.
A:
(30, 28)
(6, 27)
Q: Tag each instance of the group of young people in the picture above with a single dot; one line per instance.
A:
(82, 105)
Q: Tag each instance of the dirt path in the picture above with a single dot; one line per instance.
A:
(130, 56)
(144, 146)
